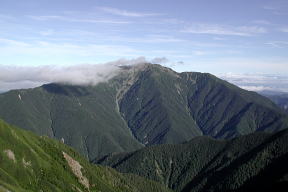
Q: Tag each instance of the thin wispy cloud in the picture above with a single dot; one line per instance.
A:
(277, 10)
(78, 20)
(199, 53)
(47, 50)
(272, 8)
(172, 21)
(215, 29)
(278, 44)
(5, 17)
(43, 48)
(148, 39)
(125, 13)
(47, 32)
(284, 29)
(11, 42)
(261, 22)
(46, 17)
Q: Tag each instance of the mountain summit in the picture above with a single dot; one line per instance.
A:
(143, 105)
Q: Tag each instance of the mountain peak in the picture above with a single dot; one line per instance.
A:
(146, 66)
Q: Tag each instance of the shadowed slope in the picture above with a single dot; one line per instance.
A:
(256, 161)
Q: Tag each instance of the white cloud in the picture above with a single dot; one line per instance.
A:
(23, 77)
(121, 12)
(166, 62)
(160, 60)
(6, 86)
(224, 30)
(15, 77)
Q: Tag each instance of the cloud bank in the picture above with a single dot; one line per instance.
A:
(258, 82)
(16, 77)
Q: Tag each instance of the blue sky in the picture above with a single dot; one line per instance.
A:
(216, 36)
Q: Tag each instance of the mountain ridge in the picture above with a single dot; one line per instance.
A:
(143, 105)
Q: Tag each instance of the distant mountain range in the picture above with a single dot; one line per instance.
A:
(255, 162)
(143, 105)
(279, 98)
(32, 163)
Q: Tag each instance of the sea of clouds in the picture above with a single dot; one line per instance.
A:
(258, 82)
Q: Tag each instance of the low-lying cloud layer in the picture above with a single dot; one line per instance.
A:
(15, 77)
(258, 82)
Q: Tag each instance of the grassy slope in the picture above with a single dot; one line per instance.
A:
(39, 165)
(258, 160)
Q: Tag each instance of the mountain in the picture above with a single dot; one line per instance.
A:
(32, 163)
(141, 106)
(257, 162)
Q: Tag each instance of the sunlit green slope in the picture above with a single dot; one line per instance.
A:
(32, 163)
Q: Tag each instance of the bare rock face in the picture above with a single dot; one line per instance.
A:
(76, 169)
(10, 154)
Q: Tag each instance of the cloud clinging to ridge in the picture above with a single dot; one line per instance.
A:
(16, 77)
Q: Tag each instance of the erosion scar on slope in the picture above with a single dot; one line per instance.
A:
(76, 169)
